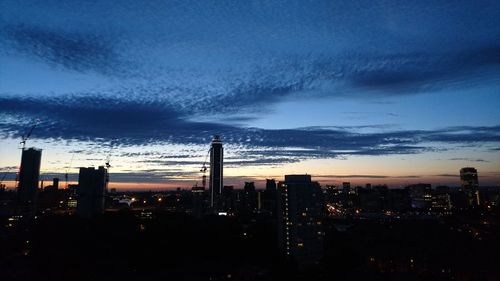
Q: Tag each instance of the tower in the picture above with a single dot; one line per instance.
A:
(299, 208)
(470, 185)
(90, 192)
(216, 173)
(29, 175)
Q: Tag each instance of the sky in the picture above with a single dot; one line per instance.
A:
(381, 92)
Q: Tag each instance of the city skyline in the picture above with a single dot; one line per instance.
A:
(384, 93)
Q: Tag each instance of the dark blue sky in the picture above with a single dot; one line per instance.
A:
(398, 89)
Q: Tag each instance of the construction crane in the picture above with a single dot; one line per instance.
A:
(107, 168)
(107, 163)
(26, 137)
(203, 170)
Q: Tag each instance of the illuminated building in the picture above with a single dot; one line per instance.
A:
(90, 192)
(420, 196)
(470, 185)
(216, 171)
(72, 195)
(299, 208)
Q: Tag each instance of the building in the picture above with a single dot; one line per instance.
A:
(300, 209)
(249, 200)
(72, 195)
(198, 203)
(90, 193)
(470, 185)
(29, 175)
(420, 196)
(216, 172)
(228, 199)
(269, 197)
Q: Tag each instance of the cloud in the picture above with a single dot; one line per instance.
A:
(468, 159)
(108, 121)
(239, 61)
(72, 50)
(6, 169)
(448, 175)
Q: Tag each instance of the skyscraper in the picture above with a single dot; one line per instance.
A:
(198, 193)
(216, 173)
(470, 185)
(29, 175)
(249, 203)
(90, 192)
(269, 197)
(300, 207)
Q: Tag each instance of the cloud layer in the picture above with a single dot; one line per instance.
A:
(180, 71)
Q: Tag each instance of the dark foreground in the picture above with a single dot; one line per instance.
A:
(128, 245)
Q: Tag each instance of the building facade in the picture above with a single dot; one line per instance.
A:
(300, 209)
(470, 185)
(216, 172)
(29, 176)
(91, 190)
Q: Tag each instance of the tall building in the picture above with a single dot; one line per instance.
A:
(228, 199)
(470, 185)
(90, 193)
(29, 175)
(55, 183)
(198, 193)
(300, 207)
(249, 202)
(269, 197)
(216, 173)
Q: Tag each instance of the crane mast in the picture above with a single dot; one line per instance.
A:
(203, 170)
(27, 136)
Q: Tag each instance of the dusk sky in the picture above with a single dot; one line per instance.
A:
(361, 91)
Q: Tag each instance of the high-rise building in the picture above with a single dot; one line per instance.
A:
(470, 185)
(29, 175)
(269, 197)
(249, 202)
(300, 207)
(55, 183)
(228, 199)
(216, 173)
(198, 193)
(90, 193)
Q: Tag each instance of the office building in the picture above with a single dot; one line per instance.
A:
(300, 208)
(90, 193)
(470, 185)
(216, 172)
(420, 196)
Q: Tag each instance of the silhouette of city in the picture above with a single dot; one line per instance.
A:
(292, 229)
(324, 140)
